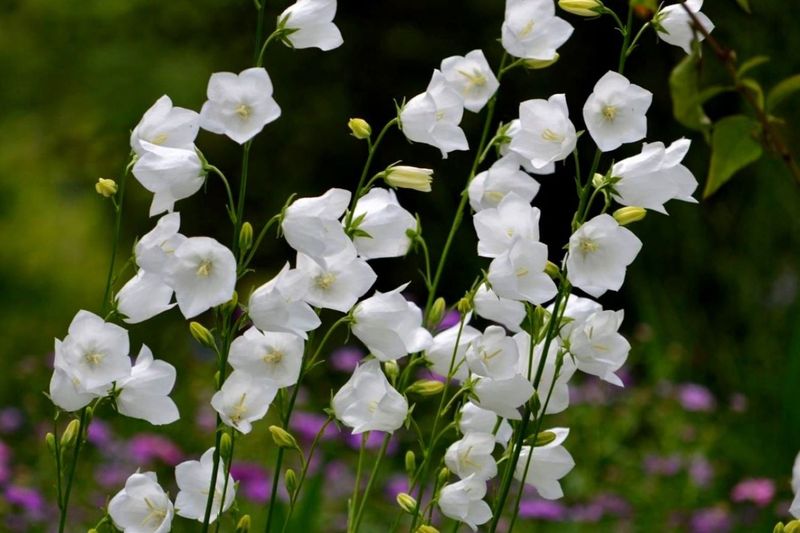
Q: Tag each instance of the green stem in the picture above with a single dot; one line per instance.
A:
(357, 485)
(252, 252)
(227, 477)
(227, 185)
(71, 475)
(373, 474)
(626, 39)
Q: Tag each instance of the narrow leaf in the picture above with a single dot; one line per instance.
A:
(733, 147)
(751, 63)
(783, 90)
(745, 5)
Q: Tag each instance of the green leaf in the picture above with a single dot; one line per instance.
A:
(750, 64)
(745, 5)
(783, 90)
(733, 147)
(754, 87)
(684, 88)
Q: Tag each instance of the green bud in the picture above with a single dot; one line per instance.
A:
(407, 502)
(443, 476)
(106, 187)
(437, 312)
(582, 8)
(50, 440)
(629, 215)
(216, 379)
(392, 370)
(538, 64)
(598, 180)
(230, 306)
(544, 437)
(552, 270)
(246, 237)
(360, 128)
(93, 530)
(411, 463)
(778, 528)
(282, 438)
(426, 528)
(70, 435)
(244, 524)
(464, 305)
(792, 527)
(225, 446)
(201, 334)
(426, 387)
(405, 177)
(290, 478)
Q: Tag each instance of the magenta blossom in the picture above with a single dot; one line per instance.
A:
(694, 397)
(254, 482)
(759, 491)
(538, 509)
(306, 426)
(711, 520)
(346, 358)
(147, 447)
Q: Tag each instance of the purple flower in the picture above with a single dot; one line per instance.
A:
(374, 441)
(450, 319)
(146, 447)
(613, 504)
(346, 358)
(5, 463)
(591, 512)
(306, 426)
(111, 475)
(99, 434)
(694, 397)
(662, 465)
(711, 520)
(28, 499)
(759, 491)
(11, 419)
(700, 471)
(395, 485)
(538, 509)
(254, 482)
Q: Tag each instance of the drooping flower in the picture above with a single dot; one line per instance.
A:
(493, 354)
(193, 479)
(654, 177)
(433, 117)
(489, 187)
(576, 310)
(142, 506)
(278, 305)
(463, 501)
(548, 464)
(145, 394)
(66, 389)
(171, 174)
(475, 419)
(441, 351)
(472, 454)
(598, 347)
(337, 282)
(243, 399)
(546, 133)
(559, 399)
(275, 357)
(165, 125)
(143, 297)
(518, 273)
(615, 113)
(155, 249)
(676, 27)
(239, 105)
(498, 228)
(531, 29)
(203, 275)
(311, 22)
(472, 77)
(386, 223)
(599, 254)
(503, 396)
(367, 402)
(488, 305)
(311, 225)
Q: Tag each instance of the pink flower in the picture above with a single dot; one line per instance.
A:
(759, 491)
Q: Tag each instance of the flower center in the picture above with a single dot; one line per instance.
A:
(587, 246)
(489, 356)
(526, 29)
(238, 410)
(466, 460)
(522, 272)
(372, 406)
(93, 358)
(273, 356)
(204, 269)
(155, 515)
(439, 115)
(494, 196)
(243, 111)
(159, 139)
(551, 136)
(474, 78)
(324, 281)
(609, 112)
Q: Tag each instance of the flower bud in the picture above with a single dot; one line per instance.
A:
(407, 502)
(426, 387)
(70, 435)
(50, 440)
(437, 312)
(282, 438)
(551, 269)
(225, 446)
(598, 180)
(411, 463)
(246, 237)
(244, 524)
(443, 476)
(290, 479)
(464, 305)
(230, 306)
(92, 530)
(426, 528)
(792, 527)
(216, 379)
(538, 64)
(106, 187)
(582, 8)
(201, 334)
(392, 370)
(544, 437)
(779, 528)
(404, 177)
(628, 215)
(360, 128)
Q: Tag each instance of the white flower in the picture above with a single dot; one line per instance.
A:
(488, 305)
(390, 326)
(559, 399)
(440, 352)
(615, 113)
(503, 396)
(144, 394)
(549, 463)
(193, 479)
(278, 305)
(203, 275)
(514, 127)
(472, 77)
(243, 399)
(654, 177)
(463, 501)
(239, 105)
(487, 189)
(407, 177)
(532, 31)
(275, 357)
(312, 21)
(171, 174)
(155, 249)
(386, 222)
(794, 509)
(367, 402)
(66, 390)
(143, 297)
(599, 253)
(518, 274)
(597, 346)
(493, 354)
(679, 27)
(577, 310)
(311, 226)
(475, 419)
(498, 228)
(546, 133)
(164, 125)
(337, 282)
(433, 117)
(472, 455)
(142, 506)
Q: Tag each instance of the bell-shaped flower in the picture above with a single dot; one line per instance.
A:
(193, 479)
(311, 225)
(243, 399)
(443, 351)
(518, 273)
(66, 390)
(616, 112)
(654, 177)
(599, 254)
(171, 174)
(598, 347)
(488, 305)
(275, 357)
(676, 27)
(531, 29)
(488, 188)
(143, 297)
(576, 311)
(165, 125)
(311, 22)
(503, 396)
(498, 227)
(145, 394)
(472, 455)
(504, 148)
(794, 508)
(382, 226)
(338, 281)
(493, 354)
(367, 402)
(278, 305)
(559, 399)
(546, 133)
(390, 326)
(239, 105)
(433, 117)
(472, 77)
(474, 419)
(548, 464)
(156, 248)
(463, 501)
(203, 275)
(142, 506)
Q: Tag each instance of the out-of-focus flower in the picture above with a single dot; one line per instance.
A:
(538, 509)
(662, 465)
(306, 425)
(29, 499)
(254, 481)
(711, 520)
(11, 419)
(99, 434)
(147, 447)
(701, 472)
(695, 397)
(759, 491)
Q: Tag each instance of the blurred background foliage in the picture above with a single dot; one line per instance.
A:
(712, 298)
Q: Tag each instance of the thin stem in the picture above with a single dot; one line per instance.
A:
(257, 243)
(371, 481)
(272, 36)
(71, 475)
(357, 485)
(227, 477)
(231, 204)
(626, 39)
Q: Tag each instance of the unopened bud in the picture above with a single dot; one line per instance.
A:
(246, 237)
(538, 64)
(360, 128)
(464, 305)
(598, 180)
(551, 269)
(411, 463)
(792, 527)
(443, 476)
(392, 370)
(244, 524)
(426, 387)
(426, 528)
(217, 379)
(50, 440)
(106, 187)
(629, 215)
(779, 528)
(282, 438)
(70, 435)
(404, 177)
(225, 446)
(544, 437)
(290, 478)
(582, 8)
(92, 530)
(437, 312)
(230, 306)
(201, 334)
(407, 502)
